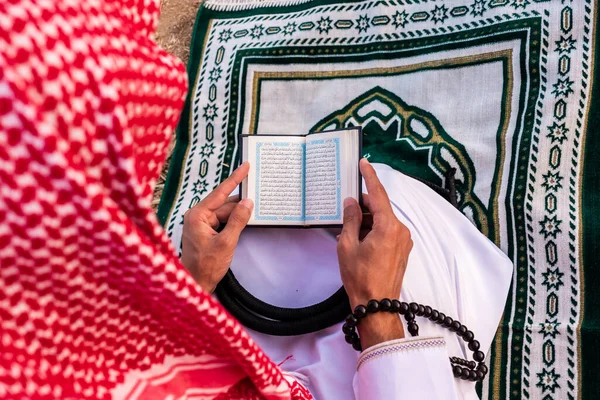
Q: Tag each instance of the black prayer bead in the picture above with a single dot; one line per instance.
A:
(373, 306)
(427, 312)
(395, 306)
(403, 308)
(357, 346)
(478, 356)
(414, 307)
(480, 375)
(474, 345)
(455, 326)
(347, 329)
(448, 321)
(461, 331)
(351, 320)
(467, 337)
(457, 371)
(465, 373)
(413, 328)
(409, 316)
(441, 318)
(472, 376)
(434, 315)
(453, 360)
(385, 304)
(471, 364)
(349, 338)
(483, 368)
(360, 311)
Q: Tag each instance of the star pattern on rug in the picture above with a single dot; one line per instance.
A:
(215, 74)
(324, 25)
(565, 44)
(550, 226)
(549, 328)
(362, 23)
(548, 380)
(225, 35)
(289, 28)
(400, 19)
(558, 133)
(207, 150)
(563, 87)
(553, 278)
(552, 181)
(520, 3)
(257, 31)
(210, 112)
(478, 8)
(200, 187)
(439, 14)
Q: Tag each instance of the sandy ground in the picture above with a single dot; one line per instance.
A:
(174, 34)
(175, 26)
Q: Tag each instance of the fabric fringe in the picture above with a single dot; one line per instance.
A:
(239, 5)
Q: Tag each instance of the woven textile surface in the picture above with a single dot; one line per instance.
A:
(501, 90)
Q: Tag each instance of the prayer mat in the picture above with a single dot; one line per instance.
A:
(504, 91)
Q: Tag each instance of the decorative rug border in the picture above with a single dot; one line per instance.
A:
(239, 5)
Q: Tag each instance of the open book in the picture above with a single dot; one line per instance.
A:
(301, 180)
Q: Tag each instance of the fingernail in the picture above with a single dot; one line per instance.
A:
(249, 204)
(365, 160)
(244, 163)
(348, 201)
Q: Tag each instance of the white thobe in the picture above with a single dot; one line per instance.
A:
(452, 268)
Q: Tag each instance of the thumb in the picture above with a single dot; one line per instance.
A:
(238, 219)
(352, 220)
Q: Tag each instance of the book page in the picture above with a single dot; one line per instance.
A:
(331, 174)
(276, 179)
(323, 179)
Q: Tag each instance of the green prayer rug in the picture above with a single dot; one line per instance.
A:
(504, 91)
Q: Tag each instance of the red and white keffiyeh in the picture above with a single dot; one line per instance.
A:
(94, 302)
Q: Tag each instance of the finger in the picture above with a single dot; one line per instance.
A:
(378, 199)
(213, 221)
(352, 220)
(218, 197)
(222, 213)
(201, 219)
(233, 199)
(238, 220)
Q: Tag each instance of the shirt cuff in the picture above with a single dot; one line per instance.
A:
(410, 368)
(398, 345)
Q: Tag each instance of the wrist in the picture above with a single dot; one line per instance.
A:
(379, 327)
(207, 283)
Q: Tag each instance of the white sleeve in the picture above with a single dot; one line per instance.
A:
(411, 368)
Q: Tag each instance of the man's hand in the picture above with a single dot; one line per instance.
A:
(206, 253)
(373, 268)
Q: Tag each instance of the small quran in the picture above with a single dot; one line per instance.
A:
(301, 180)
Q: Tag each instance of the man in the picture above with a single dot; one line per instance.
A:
(453, 268)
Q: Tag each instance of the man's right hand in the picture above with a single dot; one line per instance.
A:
(373, 268)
